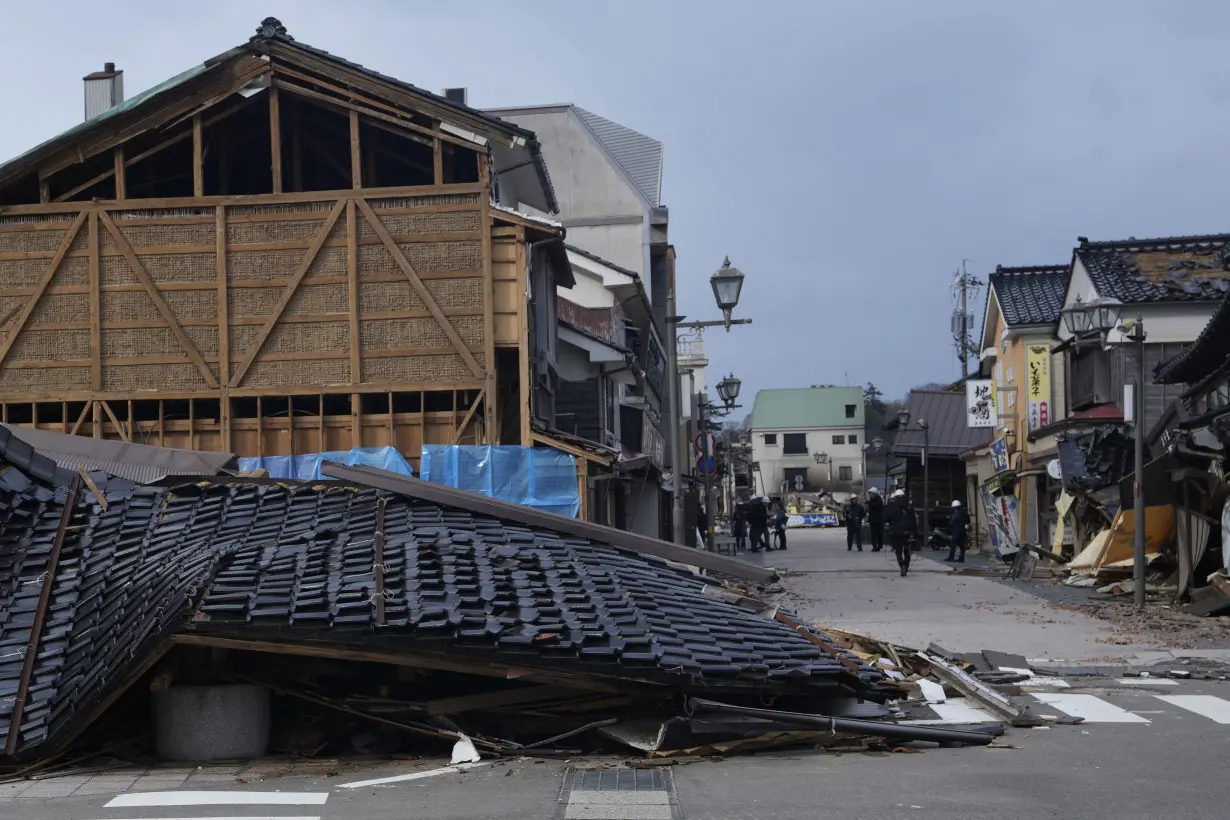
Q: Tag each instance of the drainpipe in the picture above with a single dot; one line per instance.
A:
(672, 392)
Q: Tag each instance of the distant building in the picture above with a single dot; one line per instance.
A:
(813, 433)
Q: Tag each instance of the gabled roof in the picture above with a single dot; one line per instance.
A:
(596, 258)
(272, 41)
(639, 156)
(948, 434)
(1030, 295)
(807, 407)
(1203, 357)
(1169, 269)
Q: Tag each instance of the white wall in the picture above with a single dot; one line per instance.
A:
(621, 244)
(589, 291)
(1163, 323)
(819, 440)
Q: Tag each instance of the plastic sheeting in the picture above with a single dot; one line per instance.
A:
(539, 477)
(307, 467)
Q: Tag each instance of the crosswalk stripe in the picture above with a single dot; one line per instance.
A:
(1092, 709)
(1147, 682)
(245, 817)
(236, 798)
(1214, 708)
(954, 711)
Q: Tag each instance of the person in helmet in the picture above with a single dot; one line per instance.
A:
(875, 519)
(958, 532)
(902, 523)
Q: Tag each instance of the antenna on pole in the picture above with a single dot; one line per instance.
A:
(964, 291)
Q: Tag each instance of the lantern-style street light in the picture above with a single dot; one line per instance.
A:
(727, 284)
(728, 389)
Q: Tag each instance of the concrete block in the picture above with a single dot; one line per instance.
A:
(200, 723)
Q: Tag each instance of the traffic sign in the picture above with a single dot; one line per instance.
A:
(699, 441)
(706, 466)
(798, 482)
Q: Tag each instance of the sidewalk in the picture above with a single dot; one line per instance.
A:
(863, 592)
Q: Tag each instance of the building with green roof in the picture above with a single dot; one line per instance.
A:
(815, 434)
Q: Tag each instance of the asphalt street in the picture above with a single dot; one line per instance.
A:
(1148, 747)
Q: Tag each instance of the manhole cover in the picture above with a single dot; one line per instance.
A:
(618, 793)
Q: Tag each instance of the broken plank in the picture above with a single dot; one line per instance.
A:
(490, 700)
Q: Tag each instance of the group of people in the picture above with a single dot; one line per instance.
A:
(898, 515)
(754, 519)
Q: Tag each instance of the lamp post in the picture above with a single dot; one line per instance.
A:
(727, 285)
(903, 423)
(822, 459)
(1096, 319)
(874, 446)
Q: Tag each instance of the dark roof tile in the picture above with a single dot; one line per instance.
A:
(1203, 357)
(948, 434)
(1168, 269)
(1030, 295)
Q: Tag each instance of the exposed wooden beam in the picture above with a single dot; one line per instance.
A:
(224, 326)
(95, 300)
(275, 138)
(356, 158)
(121, 190)
(134, 262)
(106, 406)
(420, 288)
(469, 416)
(48, 274)
(85, 411)
(198, 156)
(352, 289)
(289, 291)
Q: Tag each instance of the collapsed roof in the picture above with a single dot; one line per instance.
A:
(95, 587)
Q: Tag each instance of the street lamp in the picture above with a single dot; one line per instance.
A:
(1100, 316)
(728, 389)
(926, 522)
(727, 284)
(873, 445)
(903, 418)
(822, 459)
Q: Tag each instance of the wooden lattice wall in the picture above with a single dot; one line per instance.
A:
(357, 295)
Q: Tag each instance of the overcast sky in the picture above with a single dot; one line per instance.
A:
(847, 156)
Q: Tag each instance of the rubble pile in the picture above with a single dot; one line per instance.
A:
(382, 620)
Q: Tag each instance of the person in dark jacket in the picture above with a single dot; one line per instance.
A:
(738, 526)
(875, 519)
(758, 524)
(902, 523)
(958, 532)
(779, 526)
(854, 513)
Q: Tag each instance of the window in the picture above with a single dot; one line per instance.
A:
(852, 440)
(850, 408)
(839, 439)
(770, 439)
(845, 473)
(791, 475)
(794, 444)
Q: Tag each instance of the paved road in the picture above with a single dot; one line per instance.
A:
(1148, 749)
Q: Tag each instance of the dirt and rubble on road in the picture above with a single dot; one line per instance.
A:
(1160, 624)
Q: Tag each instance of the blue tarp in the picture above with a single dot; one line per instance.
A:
(307, 467)
(538, 477)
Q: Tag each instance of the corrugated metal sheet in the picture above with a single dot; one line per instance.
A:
(948, 433)
(139, 463)
(639, 156)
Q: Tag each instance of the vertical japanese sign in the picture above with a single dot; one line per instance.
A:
(980, 410)
(1038, 385)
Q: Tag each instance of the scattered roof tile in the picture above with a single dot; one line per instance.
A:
(1203, 357)
(1170, 269)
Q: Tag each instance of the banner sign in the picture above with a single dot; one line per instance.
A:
(812, 520)
(999, 455)
(1038, 386)
(980, 410)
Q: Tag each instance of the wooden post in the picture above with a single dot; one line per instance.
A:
(198, 157)
(275, 138)
(356, 421)
(44, 191)
(191, 424)
(356, 163)
(524, 376)
(490, 432)
(392, 428)
(224, 326)
(352, 282)
(162, 425)
(320, 411)
(437, 158)
(95, 312)
(97, 426)
(121, 190)
(260, 428)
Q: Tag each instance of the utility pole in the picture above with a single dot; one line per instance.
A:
(964, 322)
(964, 289)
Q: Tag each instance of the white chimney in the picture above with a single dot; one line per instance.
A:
(104, 90)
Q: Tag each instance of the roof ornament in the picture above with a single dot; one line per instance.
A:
(272, 27)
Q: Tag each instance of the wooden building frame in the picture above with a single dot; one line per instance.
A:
(282, 321)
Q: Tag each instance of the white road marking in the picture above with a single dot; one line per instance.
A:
(246, 817)
(1147, 682)
(1215, 709)
(235, 798)
(1036, 680)
(401, 778)
(954, 711)
(1092, 709)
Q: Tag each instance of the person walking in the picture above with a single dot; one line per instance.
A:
(875, 519)
(758, 524)
(902, 524)
(854, 514)
(738, 526)
(958, 532)
(779, 526)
